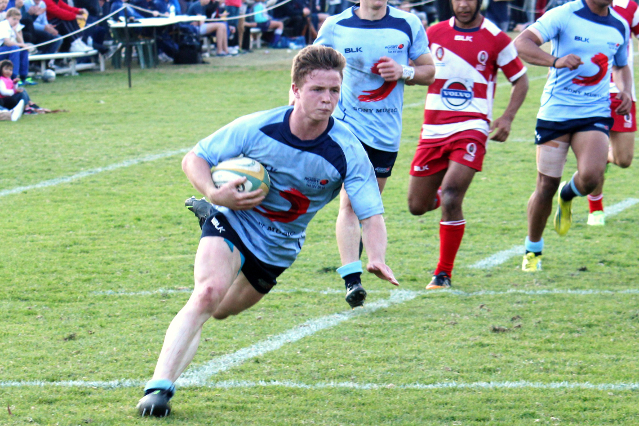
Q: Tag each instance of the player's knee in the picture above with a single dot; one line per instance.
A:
(590, 180)
(452, 198)
(207, 297)
(220, 315)
(417, 207)
(547, 187)
(624, 161)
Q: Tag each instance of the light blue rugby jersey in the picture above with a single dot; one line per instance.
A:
(371, 107)
(597, 40)
(305, 176)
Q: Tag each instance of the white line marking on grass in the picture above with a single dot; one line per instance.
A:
(112, 384)
(418, 293)
(426, 386)
(240, 384)
(190, 290)
(498, 258)
(80, 175)
(199, 375)
(503, 256)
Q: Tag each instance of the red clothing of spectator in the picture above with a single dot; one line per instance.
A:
(59, 9)
(236, 3)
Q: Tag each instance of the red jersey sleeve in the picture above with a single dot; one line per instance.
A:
(507, 59)
(60, 10)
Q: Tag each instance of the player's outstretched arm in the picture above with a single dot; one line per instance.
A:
(422, 70)
(623, 80)
(500, 128)
(198, 172)
(374, 239)
(528, 47)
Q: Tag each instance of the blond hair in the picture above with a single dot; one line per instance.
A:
(14, 11)
(316, 57)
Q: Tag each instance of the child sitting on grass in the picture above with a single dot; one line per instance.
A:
(11, 94)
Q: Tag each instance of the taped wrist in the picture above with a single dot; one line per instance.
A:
(408, 72)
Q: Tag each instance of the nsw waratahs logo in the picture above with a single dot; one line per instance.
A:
(457, 94)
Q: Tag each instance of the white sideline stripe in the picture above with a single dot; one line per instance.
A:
(235, 384)
(423, 103)
(419, 293)
(80, 175)
(503, 256)
(199, 375)
(190, 290)
(499, 258)
(428, 386)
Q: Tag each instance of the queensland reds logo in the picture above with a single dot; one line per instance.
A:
(457, 94)
(401, 46)
(482, 57)
(439, 53)
(299, 206)
(471, 150)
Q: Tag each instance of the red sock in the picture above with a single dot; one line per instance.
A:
(450, 237)
(595, 203)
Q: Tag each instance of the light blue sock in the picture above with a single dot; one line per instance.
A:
(162, 384)
(536, 247)
(350, 268)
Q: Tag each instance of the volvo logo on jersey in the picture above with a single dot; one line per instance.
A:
(457, 94)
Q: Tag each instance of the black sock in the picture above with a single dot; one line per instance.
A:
(354, 278)
(567, 193)
(537, 253)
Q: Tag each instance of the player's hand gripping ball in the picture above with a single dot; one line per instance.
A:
(256, 175)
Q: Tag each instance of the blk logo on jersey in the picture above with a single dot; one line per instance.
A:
(353, 50)
(601, 61)
(463, 38)
(457, 94)
(582, 39)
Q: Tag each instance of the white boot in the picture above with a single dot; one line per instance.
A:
(79, 46)
(17, 111)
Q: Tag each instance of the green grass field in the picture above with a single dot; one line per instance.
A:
(97, 251)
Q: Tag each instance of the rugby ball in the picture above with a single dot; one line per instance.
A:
(48, 76)
(256, 175)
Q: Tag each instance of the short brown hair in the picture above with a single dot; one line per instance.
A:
(316, 57)
(14, 11)
(5, 64)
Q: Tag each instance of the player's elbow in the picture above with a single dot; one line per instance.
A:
(187, 161)
(429, 77)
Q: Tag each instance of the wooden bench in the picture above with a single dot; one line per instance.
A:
(73, 67)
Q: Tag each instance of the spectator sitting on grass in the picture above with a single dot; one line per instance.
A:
(11, 44)
(204, 8)
(13, 114)
(10, 94)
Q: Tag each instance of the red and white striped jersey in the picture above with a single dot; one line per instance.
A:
(630, 12)
(467, 61)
